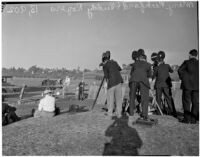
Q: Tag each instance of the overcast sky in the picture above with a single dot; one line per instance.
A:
(43, 36)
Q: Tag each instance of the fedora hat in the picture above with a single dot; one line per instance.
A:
(47, 91)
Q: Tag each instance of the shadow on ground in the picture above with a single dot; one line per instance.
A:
(125, 140)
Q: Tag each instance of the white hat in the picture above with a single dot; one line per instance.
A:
(47, 91)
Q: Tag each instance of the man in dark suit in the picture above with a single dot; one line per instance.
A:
(114, 84)
(189, 75)
(8, 113)
(81, 91)
(139, 79)
(163, 83)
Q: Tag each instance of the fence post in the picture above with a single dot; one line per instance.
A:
(63, 90)
(21, 94)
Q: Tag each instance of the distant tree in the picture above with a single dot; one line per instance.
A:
(78, 69)
(33, 69)
(21, 72)
(87, 70)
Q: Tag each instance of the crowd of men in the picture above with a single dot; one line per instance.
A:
(142, 73)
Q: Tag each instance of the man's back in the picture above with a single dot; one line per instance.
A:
(162, 75)
(189, 74)
(112, 73)
(140, 72)
(47, 104)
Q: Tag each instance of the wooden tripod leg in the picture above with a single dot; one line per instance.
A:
(158, 107)
(154, 101)
(98, 93)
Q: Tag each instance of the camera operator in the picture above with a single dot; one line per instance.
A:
(139, 79)
(114, 84)
(189, 75)
(163, 83)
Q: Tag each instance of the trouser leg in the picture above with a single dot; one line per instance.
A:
(110, 100)
(12, 117)
(195, 105)
(144, 99)
(79, 95)
(132, 95)
(57, 110)
(169, 99)
(159, 97)
(186, 99)
(118, 99)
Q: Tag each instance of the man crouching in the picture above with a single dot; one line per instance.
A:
(47, 106)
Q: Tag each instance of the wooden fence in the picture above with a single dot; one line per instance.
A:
(32, 95)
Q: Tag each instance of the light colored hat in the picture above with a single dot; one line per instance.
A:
(47, 91)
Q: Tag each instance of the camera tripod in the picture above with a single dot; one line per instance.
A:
(153, 103)
(98, 93)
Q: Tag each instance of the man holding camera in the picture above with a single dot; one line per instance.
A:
(114, 84)
(139, 79)
(163, 83)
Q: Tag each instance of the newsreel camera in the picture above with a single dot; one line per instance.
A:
(105, 57)
(155, 59)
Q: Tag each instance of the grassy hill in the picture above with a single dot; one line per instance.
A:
(92, 133)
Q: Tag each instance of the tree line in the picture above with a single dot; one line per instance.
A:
(38, 72)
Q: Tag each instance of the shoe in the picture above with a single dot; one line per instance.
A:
(184, 121)
(174, 115)
(143, 118)
(32, 112)
(193, 121)
(147, 119)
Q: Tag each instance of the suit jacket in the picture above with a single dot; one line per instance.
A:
(189, 74)
(140, 72)
(112, 73)
(161, 72)
(5, 108)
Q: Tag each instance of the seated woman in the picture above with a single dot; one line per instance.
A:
(8, 113)
(47, 106)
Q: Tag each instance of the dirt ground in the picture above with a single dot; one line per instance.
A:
(87, 132)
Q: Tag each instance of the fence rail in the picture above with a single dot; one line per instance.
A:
(32, 87)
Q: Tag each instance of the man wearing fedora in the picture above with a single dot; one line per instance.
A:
(163, 84)
(189, 75)
(139, 80)
(114, 84)
(47, 106)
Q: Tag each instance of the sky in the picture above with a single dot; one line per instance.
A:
(50, 36)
